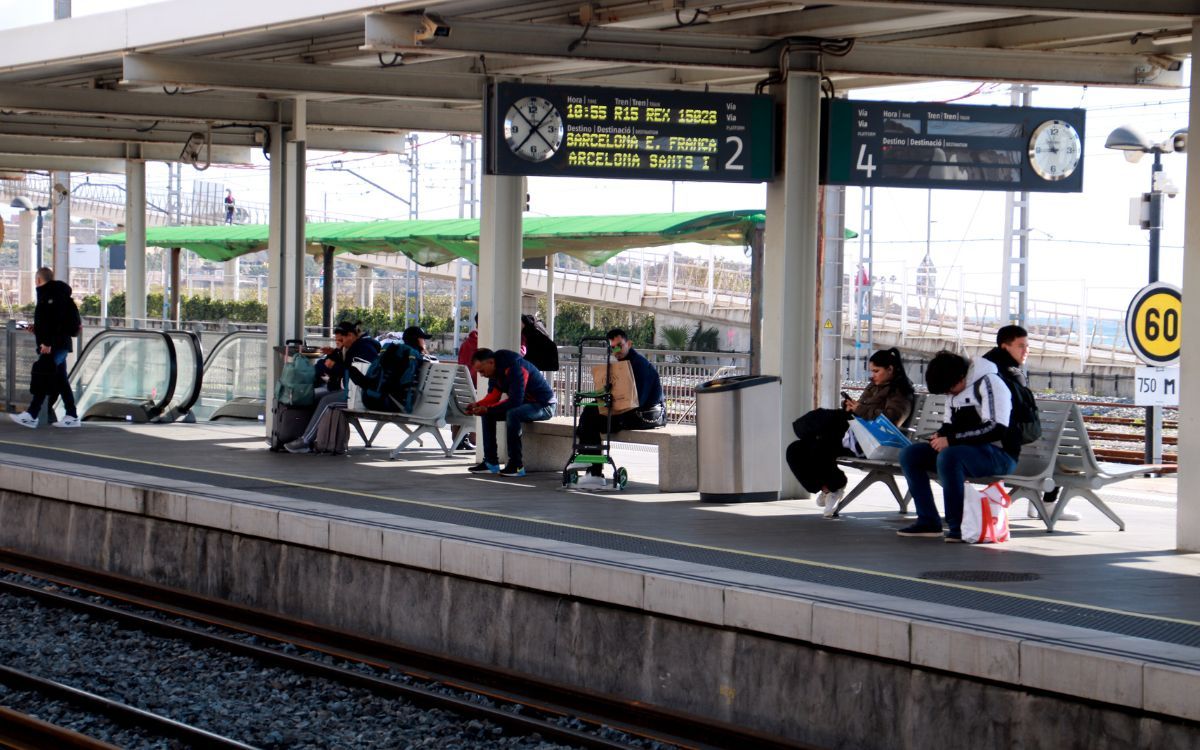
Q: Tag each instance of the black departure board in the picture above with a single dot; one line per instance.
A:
(577, 131)
(933, 145)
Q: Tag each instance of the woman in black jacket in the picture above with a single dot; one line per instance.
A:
(55, 323)
(813, 458)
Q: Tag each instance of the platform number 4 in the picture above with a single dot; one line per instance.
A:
(866, 162)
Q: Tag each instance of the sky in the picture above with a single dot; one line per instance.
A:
(1078, 240)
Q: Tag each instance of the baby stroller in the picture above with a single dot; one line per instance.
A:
(600, 397)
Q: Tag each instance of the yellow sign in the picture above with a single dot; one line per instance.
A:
(828, 324)
(1152, 324)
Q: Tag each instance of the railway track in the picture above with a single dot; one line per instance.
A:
(521, 705)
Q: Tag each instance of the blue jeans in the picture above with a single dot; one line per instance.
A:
(513, 418)
(954, 465)
(62, 388)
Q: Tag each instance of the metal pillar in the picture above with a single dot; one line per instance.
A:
(499, 301)
(173, 309)
(790, 261)
(329, 290)
(135, 242)
(362, 279)
(60, 200)
(1187, 518)
(26, 262)
(550, 306)
(757, 243)
(1014, 297)
(830, 320)
(1154, 428)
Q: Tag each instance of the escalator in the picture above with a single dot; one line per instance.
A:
(189, 378)
(125, 374)
(235, 378)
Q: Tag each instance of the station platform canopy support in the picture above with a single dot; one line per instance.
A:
(88, 94)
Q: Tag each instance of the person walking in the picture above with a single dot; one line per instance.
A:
(55, 322)
(229, 206)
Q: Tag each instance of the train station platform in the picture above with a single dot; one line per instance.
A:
(1087, 615)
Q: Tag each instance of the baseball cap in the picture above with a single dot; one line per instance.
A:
(414, 332)
(345, 327)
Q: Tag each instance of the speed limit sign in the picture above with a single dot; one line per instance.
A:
(1152, 323)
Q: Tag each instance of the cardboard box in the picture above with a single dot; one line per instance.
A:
(624, 387)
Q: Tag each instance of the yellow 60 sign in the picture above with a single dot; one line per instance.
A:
(1152, 323)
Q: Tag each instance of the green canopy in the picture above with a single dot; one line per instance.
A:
(593, 239)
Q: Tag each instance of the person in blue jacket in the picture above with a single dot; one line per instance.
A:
(650, 412)
(517, 393)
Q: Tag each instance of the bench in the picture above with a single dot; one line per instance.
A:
(547, 446)
(443, 392)
(1036, 473)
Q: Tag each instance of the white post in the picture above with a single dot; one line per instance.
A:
(670, 277)
(233, 269)
(958, 331)
(790, 272)
(903, 302)
(712, 261)
(1084, 339)
(1187, 519)
(26, 263)
(550, 305)
(500, 248)
(135, 242)
(60, 201)
(456, 308)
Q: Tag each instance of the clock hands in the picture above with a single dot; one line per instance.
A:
(534, 128)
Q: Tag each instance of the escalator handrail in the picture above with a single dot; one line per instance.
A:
(172, 362)
(198, 352)
(227, 340)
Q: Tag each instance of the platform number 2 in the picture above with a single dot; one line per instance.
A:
(866, 162)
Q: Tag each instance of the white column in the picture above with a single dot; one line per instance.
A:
(550, 293)
(135, 241)
(26, 263)
(233, 269)
(60, 199)
(499, 303)
(790, 261)
(829, 322)
(1187, 520)
(363, 282)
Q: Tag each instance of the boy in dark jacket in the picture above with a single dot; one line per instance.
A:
(55, 322)
(517, 393)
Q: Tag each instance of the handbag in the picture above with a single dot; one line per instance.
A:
(878, 439)
(985, 514)
(43, 375)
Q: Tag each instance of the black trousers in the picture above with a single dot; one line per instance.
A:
(814, 462)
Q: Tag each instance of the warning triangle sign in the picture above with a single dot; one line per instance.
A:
(828, 324)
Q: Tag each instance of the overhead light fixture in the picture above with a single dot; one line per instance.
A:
(1183, 36)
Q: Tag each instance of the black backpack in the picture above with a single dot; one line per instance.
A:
(540, 349)
(1023, 423)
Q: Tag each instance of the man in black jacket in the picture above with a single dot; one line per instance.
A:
(55, 322)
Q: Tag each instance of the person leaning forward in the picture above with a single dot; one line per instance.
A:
(650, 412)
(517, 393)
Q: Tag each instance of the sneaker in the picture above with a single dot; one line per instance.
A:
(513, 470)
(297, 446)
(831, 502)
(1033, 512)
(68, 421)
(466, 445)
(921, 529)
(483, 467)
(822, 498)
(25, 419)
(953, 537)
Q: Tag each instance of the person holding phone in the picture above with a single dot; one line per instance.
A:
(821, 432)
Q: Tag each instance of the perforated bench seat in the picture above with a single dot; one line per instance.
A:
(547, 446)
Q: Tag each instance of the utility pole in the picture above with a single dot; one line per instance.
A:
(60, 192)
(1015, 296)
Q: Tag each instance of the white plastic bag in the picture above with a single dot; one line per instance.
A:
(985, 514)
(878, 439)
(354, 400)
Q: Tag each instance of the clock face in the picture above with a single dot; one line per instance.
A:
(1054, 150)
(533, 128)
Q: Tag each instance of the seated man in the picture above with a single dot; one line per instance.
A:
(650, 412)
(974, 442)
(517, 393)
(331, 378)
(416, 337)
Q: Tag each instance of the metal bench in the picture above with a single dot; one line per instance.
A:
(443, 392)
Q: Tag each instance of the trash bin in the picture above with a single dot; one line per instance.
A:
(738, 430)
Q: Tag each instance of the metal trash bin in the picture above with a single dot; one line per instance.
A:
(738, 430)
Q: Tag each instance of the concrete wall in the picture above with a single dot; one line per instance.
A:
(818, 695)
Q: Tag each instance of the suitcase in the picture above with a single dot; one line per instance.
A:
(289, 423)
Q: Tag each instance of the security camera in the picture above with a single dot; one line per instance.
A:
(1179, 140)
(60, 188)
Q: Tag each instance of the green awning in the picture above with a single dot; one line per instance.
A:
(593, 239)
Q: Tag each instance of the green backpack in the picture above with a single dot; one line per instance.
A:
(295, 386)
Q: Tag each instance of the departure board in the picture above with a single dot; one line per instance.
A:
(575, 131)
(933, 145)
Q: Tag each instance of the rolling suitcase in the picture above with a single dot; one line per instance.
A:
(289, 423)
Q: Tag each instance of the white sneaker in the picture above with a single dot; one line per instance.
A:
(831, 502)
(68, 421)
(822, 498)
(25, 419)
(1033, 512)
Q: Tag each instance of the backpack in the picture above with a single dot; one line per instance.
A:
(295, 386)
(540, 349)
(333, 432)
(389, 384)
(1023, 422)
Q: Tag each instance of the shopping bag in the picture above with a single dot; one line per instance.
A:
(354, 393)
(985, 514)
(878, 439)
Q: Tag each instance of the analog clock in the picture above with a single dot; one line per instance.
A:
(533, 128)
(1054, 150)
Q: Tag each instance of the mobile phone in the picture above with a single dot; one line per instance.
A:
(846, 396)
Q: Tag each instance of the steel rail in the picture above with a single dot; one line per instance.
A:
(20, 731)
(506, 687)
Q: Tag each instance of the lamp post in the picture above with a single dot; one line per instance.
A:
(1135, 145)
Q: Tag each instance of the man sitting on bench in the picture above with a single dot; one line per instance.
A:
(975, 441)
(517, 393)
(650, 412)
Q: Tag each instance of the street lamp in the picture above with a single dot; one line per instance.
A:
(25, 204)
(1134, 145)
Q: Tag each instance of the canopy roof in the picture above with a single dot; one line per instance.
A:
(593, 239)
